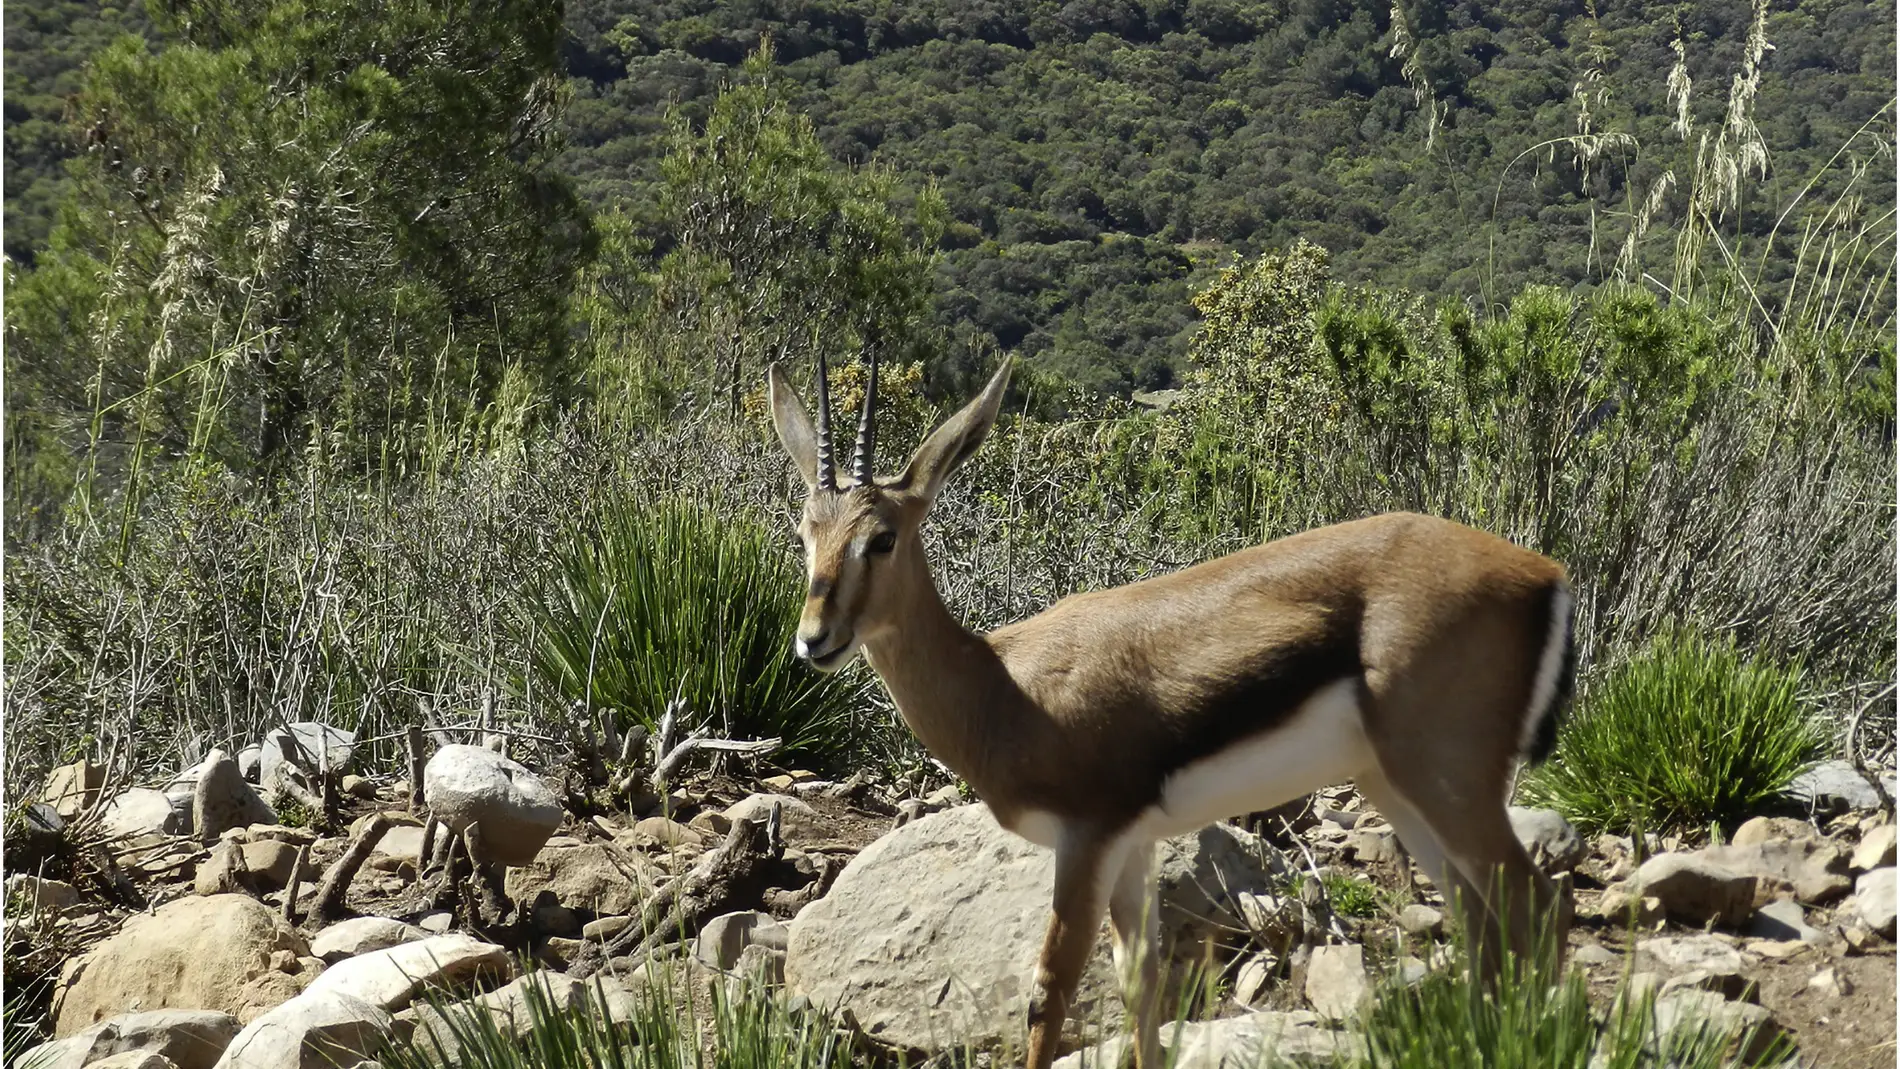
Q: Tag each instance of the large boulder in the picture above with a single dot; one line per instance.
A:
(220, 952)
(315, 1030)
(930, 935)
(299, 744)
(191, 1039)
(513, 810)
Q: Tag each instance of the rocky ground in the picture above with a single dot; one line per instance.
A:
(189, 926)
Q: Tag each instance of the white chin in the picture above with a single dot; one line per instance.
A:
(832, 662)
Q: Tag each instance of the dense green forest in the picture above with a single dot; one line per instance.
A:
(1100, 158)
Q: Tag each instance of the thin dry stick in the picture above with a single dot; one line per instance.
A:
(415, 741)
(336, 882)
(295, 885)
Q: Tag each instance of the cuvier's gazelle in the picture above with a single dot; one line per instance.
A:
(1418, 658)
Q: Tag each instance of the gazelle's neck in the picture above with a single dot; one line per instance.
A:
(950, 686)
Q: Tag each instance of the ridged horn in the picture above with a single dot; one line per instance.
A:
(862, 453)
(827, 471)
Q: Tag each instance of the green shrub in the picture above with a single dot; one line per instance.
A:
(674, 599)
(1351, 896)
(1688, 732)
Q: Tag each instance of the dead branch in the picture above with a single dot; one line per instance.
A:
(295, 885)
(336, 882)
(727, 878)
(416, 744)
(669, 765)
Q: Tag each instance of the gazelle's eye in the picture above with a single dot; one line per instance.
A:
(883, 542)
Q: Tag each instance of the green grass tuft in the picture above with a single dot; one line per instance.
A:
(1533, 1019)
(1689, 732)
(674, 599)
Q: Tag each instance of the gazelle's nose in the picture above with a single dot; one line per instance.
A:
(810, 641)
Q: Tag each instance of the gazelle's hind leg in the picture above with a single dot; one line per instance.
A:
(1445, 723)
(1507, 902)
(1419, 841)
(1134, 921)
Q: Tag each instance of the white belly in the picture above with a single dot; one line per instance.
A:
(1322, 743)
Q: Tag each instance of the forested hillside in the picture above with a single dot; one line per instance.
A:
(1098, 153)
(1100, 157)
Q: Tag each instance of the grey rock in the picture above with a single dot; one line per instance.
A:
(1260, 1038)
(221, 800)
(1694, 952)
(1593, 954)
(73, 789)
(930, 935)
(1696, 889)
(1336, 982)
(437, 1031)
(142, 811)
(796, 816)
(1420, 919)
(1784, 919)
(249, 760)
(307, 736)
(1373, 845)
(514, 811)
(362, 935)
(1875, 849)
(315, 1030)
(1833, 787)
(1874, 900)
(1253, 977)
(1552, 843)
(390, 978)
(1808, 867)
(31, 893)
(1688, 1010)
(190, 1039)
(726, 936)
(600, 877)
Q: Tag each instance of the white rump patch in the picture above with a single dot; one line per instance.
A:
(1544, 689)
(1321, 744)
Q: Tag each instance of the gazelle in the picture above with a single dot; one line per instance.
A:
(1413, 656)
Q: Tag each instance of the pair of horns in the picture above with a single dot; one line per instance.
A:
(861, 453)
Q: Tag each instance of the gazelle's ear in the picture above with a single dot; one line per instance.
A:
(794, 427)
(956, 441)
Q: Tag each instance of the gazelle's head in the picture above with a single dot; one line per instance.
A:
(861, 531)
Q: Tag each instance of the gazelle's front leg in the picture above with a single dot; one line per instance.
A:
(1081, 865)
(1134, 919)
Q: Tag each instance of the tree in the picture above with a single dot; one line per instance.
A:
(776, 251)
(302, 224)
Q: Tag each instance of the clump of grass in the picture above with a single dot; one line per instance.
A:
(653, 602)
(653, 1029)
(1534, 1018)
(1689, 732)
